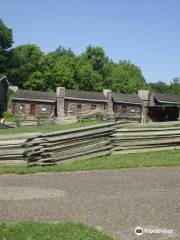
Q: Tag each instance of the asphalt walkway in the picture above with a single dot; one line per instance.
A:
(114, 201)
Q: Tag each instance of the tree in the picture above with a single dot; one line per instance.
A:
(174, 87)
(86, 77)
(6, 37)
(126, 78)
(6, 41)
(25, 60)
(59, 71)
(60, 51)
(35, 81)
(96, 56)
(160, 87)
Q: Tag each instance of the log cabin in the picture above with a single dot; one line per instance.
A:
(3, 93)
(78, 102)
(33, 103)
(128, 106)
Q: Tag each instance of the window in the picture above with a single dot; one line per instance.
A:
(79, 106)
(21, 107)
(124, 108)
(44, 109)
(93, 106)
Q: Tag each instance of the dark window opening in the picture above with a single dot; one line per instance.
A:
(93, 106)
(79, 106)
(124, 109)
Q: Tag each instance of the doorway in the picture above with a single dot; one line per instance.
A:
(32, 111)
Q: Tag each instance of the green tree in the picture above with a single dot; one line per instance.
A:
(59, 71)
(35, 81)
(96, 56)
(60, 51)
(6, 41)
(86, 77)
(160, 87)
(25, 60)
(6, 37)
(126, 78)
(174, 87)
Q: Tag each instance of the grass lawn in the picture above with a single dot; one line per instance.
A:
(37, 231)
(154, 159)
(49, 128)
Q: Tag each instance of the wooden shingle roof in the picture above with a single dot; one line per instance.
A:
(126, 98)
(166, 98)
(85, 95)
(29, 95)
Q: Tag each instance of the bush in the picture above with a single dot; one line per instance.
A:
(10, 117)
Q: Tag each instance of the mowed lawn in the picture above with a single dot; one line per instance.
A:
(49, 128)
(154, 159)
(37, 231)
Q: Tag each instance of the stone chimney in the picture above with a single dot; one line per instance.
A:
(145, 97)
(108, 94)
(60, 93)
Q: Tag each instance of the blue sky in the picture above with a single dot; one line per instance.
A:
(145, 32)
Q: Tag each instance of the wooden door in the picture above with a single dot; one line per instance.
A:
(32, 110)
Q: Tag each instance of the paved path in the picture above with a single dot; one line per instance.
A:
(115, 201)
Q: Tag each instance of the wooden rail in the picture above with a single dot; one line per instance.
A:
(36, 149)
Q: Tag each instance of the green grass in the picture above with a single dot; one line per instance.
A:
(40, 231)
(49, 128)
(154, 159)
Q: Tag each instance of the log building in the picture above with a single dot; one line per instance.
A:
(143, 107)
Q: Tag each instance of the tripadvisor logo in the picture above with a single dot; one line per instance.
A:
(139, 231)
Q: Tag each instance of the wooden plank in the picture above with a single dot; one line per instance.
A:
(65, 157)
(146, 129)
(79, 134)
(147, 142)
(120, 148)
(81, 149)
(176, 132)
(146, 150)
(12, 163)
(11, 157)
(86, 156)
(134, 138)
(17, 151)
(71, 140)
(74, 144)
(83, 129)
(17, 136)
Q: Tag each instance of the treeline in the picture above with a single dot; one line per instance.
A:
(28, 67)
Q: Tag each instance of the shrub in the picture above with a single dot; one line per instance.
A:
(10, 117)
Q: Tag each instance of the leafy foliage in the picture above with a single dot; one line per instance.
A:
(6, 38)
(172, 88)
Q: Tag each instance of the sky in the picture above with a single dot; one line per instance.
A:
(146, 32)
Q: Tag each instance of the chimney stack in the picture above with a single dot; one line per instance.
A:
(60, 93)
(108, 94)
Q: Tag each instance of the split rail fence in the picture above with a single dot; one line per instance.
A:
(36, 149)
